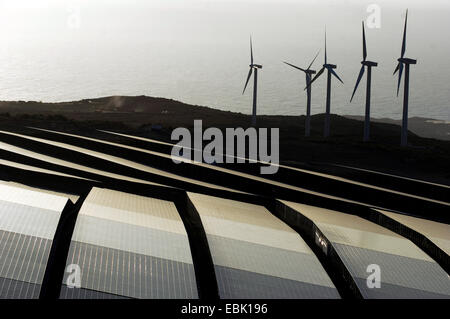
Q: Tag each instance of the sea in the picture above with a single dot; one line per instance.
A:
(198, 52)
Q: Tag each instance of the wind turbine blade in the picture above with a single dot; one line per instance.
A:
(315, 78)
(337, 76)
(251, 51)
(399, 77)
(361, 73)
(364, 43)
(313, 60)
(396, 69)
(248, 79)
(325, 45)
(294, 66)
(404, 35)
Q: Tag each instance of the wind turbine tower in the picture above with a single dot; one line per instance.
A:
(404, 63)
(254, 67)
(308, 73)
(330, 71)
(369, 65)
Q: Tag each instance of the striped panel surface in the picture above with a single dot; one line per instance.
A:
(438, 233)
(130, 246)
(405, 270)
(28, 222)
(256, 255)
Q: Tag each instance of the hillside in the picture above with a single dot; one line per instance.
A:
(426, 158)
(424, 127)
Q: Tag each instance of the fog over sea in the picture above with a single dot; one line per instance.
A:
(197, 51)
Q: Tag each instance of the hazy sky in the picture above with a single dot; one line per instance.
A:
(197, 51)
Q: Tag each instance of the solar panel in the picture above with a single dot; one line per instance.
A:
(255, 177)
(438, 233)
(72, 197)
(57, 161)
(28, 222)
(119, 160)
(256, 255)
(405, 270)
(132, 247)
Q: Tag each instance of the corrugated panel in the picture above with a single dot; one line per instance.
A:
(249, 176)
(438, 233)
(72, 197)
(406, 271)
(32, 198)
(14, 289)
(57, 161)
(28, 222)
(398, 274)
(256, 255)
(23, 257)
(119, 160)
(130, 246)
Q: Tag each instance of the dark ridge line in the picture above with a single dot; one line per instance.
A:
(415, 187)
(154, 161)
(113, 183)
(56, 183)
(98, 163)
(301, 179)
(306, 198)
(420, 240)
(202, 260)
(201, 254)
(330, 261)
(56, 265)
(438, 190)
(101, 164)
(93, 177)
(331, 187)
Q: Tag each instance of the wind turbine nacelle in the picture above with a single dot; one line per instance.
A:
(331, 66)
(311, 71)
(369, 63)
(407, 61)
(258, 66)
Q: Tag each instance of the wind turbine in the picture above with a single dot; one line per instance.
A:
(330, 68)
(369, 65)
(404, 62)
(255, 67)
(308, 72)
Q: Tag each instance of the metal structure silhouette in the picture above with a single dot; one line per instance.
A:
(330, 71)
(369, 65)
(404, 63)
(308, 72)
(255, 67)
